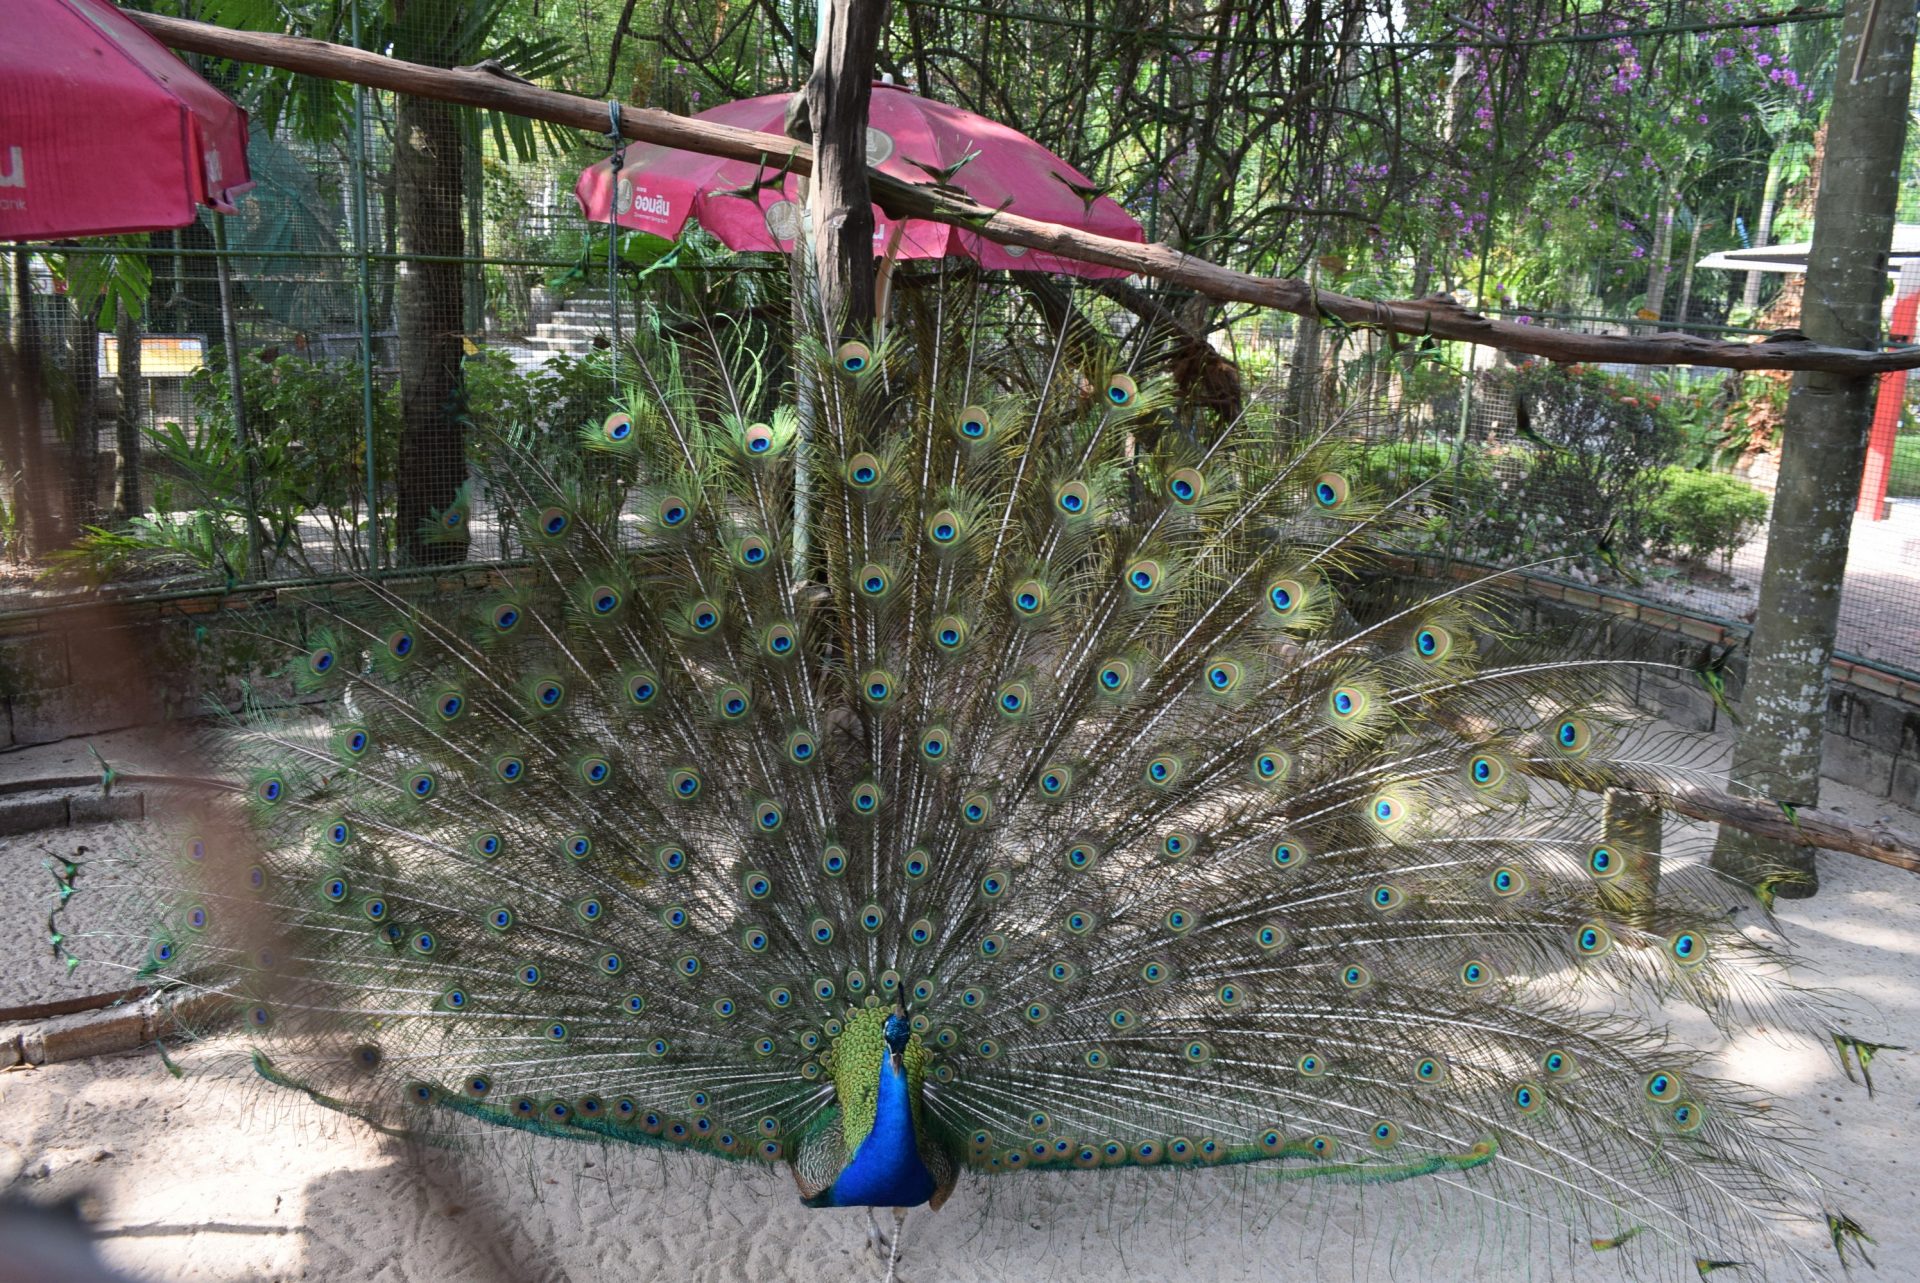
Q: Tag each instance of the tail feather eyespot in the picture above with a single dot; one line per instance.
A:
(853, 357)
(973, 424)
(1331, 491)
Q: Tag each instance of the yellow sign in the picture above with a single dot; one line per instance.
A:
(161, 356)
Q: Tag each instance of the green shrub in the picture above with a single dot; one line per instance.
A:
(1595, 442)
(1903, 482)
(1393, 467)
(1454, 497)
(554, 399)
(1701, 514)
(307, 512)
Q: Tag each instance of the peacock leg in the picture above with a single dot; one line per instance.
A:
(893, 1243)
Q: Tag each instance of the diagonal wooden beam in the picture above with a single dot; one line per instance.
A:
(1439, 317)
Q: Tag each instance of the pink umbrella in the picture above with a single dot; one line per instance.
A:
(660, 188)
(102, 130)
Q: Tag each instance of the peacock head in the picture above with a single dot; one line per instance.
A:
(898, 1031)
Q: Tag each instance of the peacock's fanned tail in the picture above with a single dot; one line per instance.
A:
(1089, 737)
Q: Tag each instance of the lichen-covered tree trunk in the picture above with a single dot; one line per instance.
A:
(428, 183)
(1785, 704)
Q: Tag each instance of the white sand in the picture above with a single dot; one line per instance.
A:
(220, 1177)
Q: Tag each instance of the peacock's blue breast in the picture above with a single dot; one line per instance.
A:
(886, 1171)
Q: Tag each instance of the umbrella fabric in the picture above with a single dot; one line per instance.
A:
(660, 188)
(102, 130)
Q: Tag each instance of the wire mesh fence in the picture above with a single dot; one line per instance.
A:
(1647, 484)
(300, 390)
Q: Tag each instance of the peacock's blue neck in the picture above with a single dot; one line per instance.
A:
(886, 1171)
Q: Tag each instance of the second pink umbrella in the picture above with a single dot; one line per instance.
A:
(660, 188)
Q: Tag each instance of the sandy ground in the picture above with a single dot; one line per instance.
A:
(215, 1176)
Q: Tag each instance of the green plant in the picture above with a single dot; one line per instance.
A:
(306, 423)
(1596, 442)
(1702, 514)
(548, 402)
(1393, 468)
(1703, 409)
(180, 544)
(1903, 482)
(307, 512)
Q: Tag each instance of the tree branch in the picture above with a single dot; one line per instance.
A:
(1805, 826)
(1440, 317)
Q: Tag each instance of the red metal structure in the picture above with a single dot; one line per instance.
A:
(1893, 399)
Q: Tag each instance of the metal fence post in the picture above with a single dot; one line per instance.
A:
(357, 166)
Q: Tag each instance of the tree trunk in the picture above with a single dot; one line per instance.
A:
(839, 200)
(1763, 228)
(1778, 752)
(23, 456)
(1635, 823)
(428, 176)
(75, 421)
(1660, 266)
(258, 541)
(1686, 275)
(126, 337)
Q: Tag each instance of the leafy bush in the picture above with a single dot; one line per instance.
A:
(1393, 467)
(1710, 413)
(1701, 514)
(549, 402)
(305, 420)
(1449, 504)
(308, 511)
(1596, 443)
(191, 545)
(1904, 480)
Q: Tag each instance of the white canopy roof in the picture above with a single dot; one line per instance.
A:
(1793, 258)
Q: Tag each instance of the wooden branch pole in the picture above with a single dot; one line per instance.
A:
(841, 200)
(1439, 317)
(1806, 826)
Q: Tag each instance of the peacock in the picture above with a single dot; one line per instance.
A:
(957, 756)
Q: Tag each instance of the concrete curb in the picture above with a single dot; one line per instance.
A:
(95, 1033)
(32, 811)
